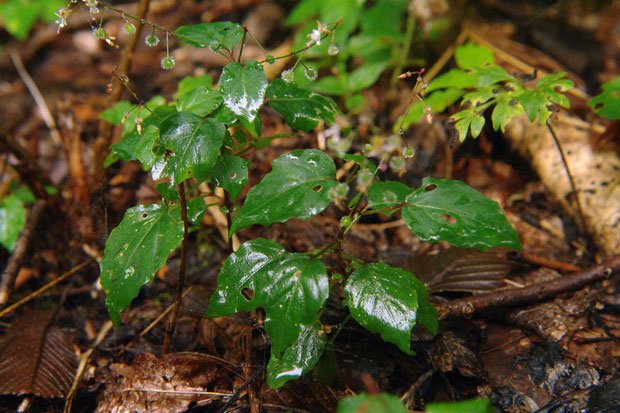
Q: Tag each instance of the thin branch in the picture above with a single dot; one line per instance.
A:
(466, 307)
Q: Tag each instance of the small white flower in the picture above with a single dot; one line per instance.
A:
(288, 75)
(99, 33)
(332, 50)
(167, 63)
(408, 152)
(129, 28)
(310, 73)
(62, 15)
(151, 40)
(315, 37)
(92, 6)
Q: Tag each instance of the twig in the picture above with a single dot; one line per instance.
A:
(182, 268)
(44, 288)
(162, 315)
(38, 98)
(19, 253)
(548, 263)
(105, 329)
(466, 307)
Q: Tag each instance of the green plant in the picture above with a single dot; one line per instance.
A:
(607, 103)
(188, 141)
(13, 214)
(482, 85)
(387, 403)
(18, 16)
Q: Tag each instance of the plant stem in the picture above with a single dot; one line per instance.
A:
(404, 51)
(582, 216)
(182, 267)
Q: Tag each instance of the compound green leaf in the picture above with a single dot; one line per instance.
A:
(297, 187)
(607, 103)
(243, 88)
(12, 220)
(200, 101)
(382, 195)
(290, 287)
(138, 247)
(445, 210)
(468, 119)
(297, 359)
(505, 110)
(375, 403)
(384, 300)
(195, 145)
(231, 173)
(300, 108)
(215, 36)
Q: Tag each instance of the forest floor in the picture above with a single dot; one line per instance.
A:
(550, 351)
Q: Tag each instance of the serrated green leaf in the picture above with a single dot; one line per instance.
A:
(534, 103)
(468, 119)
(189, 83)
(491, 75)
(200, 101)
(382, 195)
(375, 403)
(607, 103)
(479, 221)
(231, 173)
(243, 88)
(471, 56)
(215, 36)
(505, 110)
(290, 287)
(300, 108)
(297, 187)
(297, 359)
(479, 96)
(195, 145)
(465, 406)
(12, 220)
(384, 300)
(138, 247)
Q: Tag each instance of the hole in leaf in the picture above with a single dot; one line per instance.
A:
(599, 105)
(144, 215)
(247, 293)
(448, 218)
(429, 188)
(317, 188)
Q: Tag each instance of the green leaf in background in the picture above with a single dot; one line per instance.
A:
(472, 56)
(300, 108)
(243, 88)
(468, 119)
(365, 76)
(384, 300)
(189, 83)
(215, 35)
(195, 144)
(18, 16)
(382, 195)
(385, 19)
(297, 187)
(290, 287)
(12, 220)
(299, 358)
(116, 113)
(138, 247)
(445, 210)
(200, 101)
(538, 102)
(465, 406)
(607, 104)
(231, 173)
(375, 403)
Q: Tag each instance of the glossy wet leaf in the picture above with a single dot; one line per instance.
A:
(384, 300)
(200, 101)
(300, 108)
(215, 36)
(478, 222)
(382, 195)
(231, 173)
(189, 83)
(243, 88)
(290, 287)
(138, 247)
(12, 220)
(297, 187)
(375, 403)
(195, 210)
(299, 358)
(194, 143)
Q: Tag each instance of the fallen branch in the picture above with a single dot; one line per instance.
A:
(467, 307)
